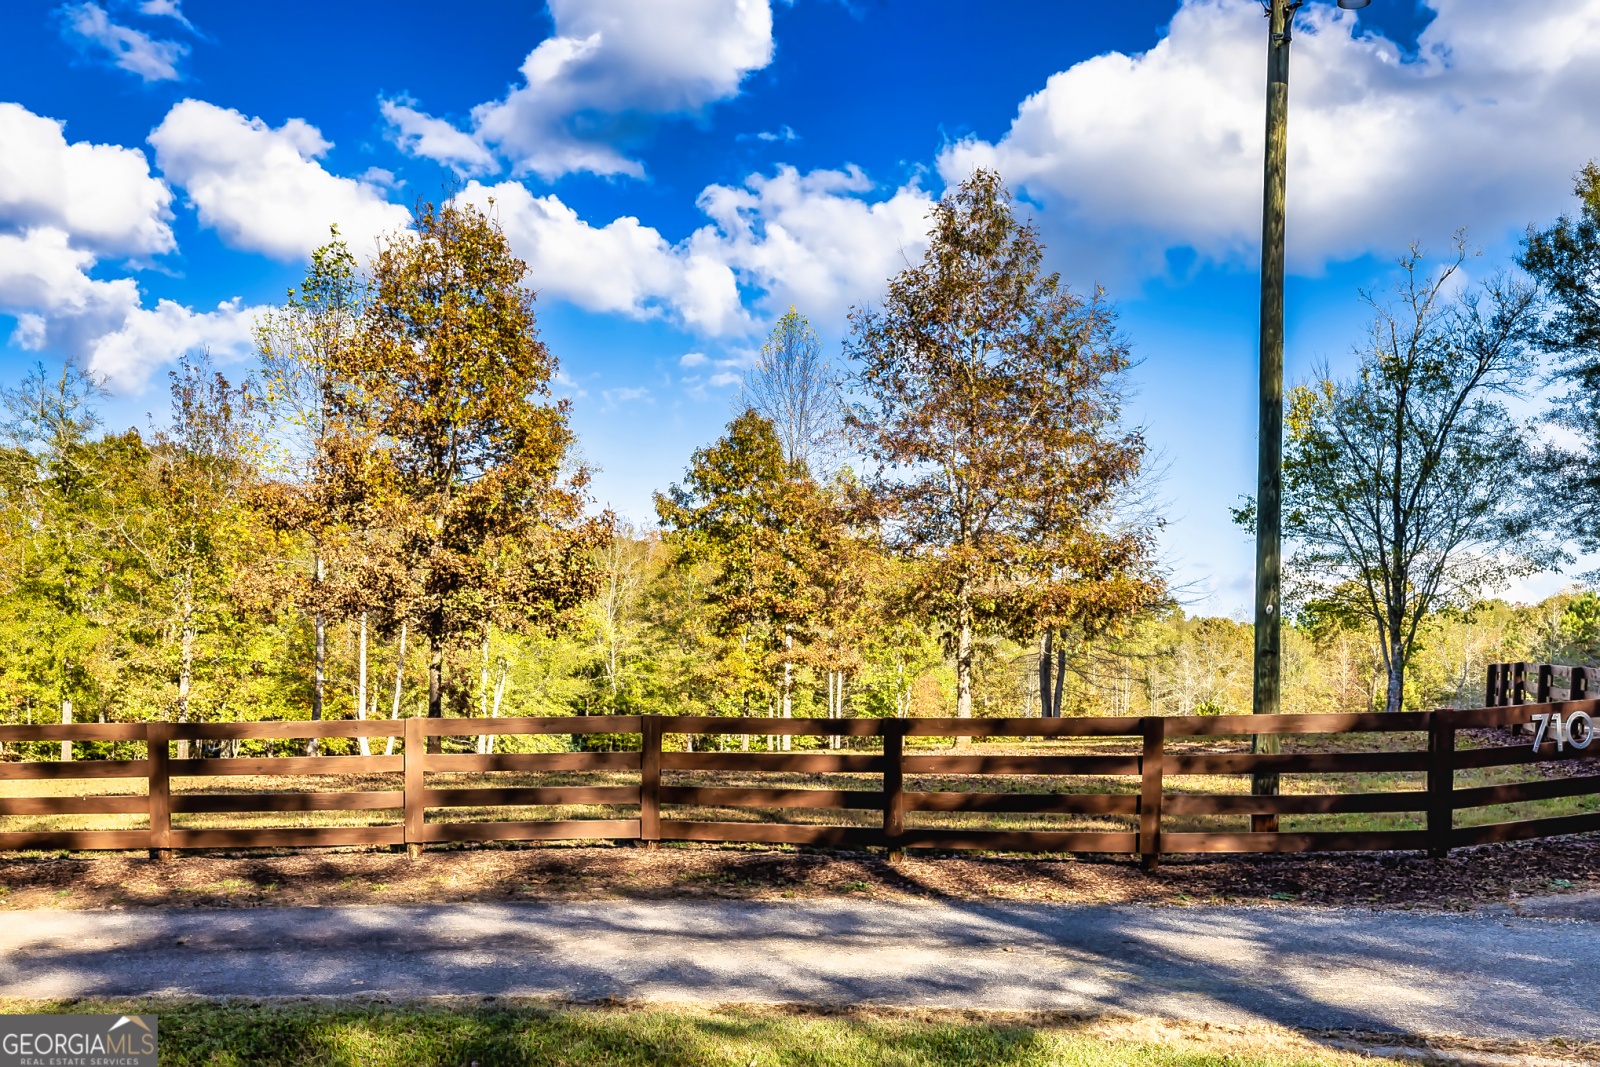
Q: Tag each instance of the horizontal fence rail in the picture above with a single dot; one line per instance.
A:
(408, 809)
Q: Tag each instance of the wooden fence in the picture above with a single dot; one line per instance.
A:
(1508, 684)
(1157, 756)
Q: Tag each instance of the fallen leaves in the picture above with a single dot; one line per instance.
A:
(1468, 877)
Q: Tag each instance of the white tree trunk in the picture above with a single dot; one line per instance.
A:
(499, 695)
(399, 675)
(483, 694)
(185, 672)
(319, 666)
(66, 720)
(964, 671)
(361, 683)
(788, 684)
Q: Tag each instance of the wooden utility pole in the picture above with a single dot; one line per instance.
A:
(1269, 509)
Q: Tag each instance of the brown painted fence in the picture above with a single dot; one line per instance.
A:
(1156, 752)
(1513, 684)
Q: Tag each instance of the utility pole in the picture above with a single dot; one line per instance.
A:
(1269, 486)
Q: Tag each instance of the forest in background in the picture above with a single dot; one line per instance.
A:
(387, 518)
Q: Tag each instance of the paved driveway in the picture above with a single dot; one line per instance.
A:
(1482, 975)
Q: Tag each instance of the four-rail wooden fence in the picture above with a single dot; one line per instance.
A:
(1158, 752)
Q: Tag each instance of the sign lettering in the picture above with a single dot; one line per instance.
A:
(1576, 730)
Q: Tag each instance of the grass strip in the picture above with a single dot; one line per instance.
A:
(236, 1033)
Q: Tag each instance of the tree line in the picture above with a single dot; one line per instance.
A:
(389, 515)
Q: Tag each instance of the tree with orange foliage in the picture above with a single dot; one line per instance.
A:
(990, 404)
(454, 383)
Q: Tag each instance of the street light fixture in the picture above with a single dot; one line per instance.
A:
(1269, 485)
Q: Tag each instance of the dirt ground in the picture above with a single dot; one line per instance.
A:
(1494, 874)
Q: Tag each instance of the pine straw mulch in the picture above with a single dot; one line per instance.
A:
(1469, 878)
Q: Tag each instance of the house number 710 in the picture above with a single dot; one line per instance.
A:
(1577, 730)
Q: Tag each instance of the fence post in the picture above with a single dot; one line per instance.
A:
(1491, 689)
(1579, 686)
(650, 780)
(1441, 784)
(894, 787)
(1519, 683)
(1542, 693)
(412, 758)
(158, 735)
(1150, 772)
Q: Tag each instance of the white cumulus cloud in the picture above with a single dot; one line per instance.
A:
(172, 9)
(135, 51)
(103, 195)
(263, 189)
(1132, 155)
(432, 138)
(102, 323)
(65, 208)
(822, 241)
(610, 70)
(149, 338)
(622, 267)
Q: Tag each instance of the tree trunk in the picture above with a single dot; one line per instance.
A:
(963, 665)
(499, 695)
(435, 685)
(1395, 659)
(399, 674)
(1061, 677)
(185, 672)
(1046, 655)
(319, 668)
(66, 720)
(1396, 691)
(361, 683)
(788, 683)
(483, 694)
(832, 739)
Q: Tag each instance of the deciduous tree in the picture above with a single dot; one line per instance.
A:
(454, 382)
(1565, 259)
(793, 387)
(300, 346)
(990, 400)
(745, 510)
(1405, 486)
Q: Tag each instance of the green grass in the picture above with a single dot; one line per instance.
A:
(497, 1035)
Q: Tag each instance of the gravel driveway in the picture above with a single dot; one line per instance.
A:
(1484, 975)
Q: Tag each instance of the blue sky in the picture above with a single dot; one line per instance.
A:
(677, 172)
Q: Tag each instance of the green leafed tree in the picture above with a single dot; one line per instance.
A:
(60, 594)
(1565, 259)
(989, 401)
(191, 531)
(1405, 486)
(311, 451)
(747, 513)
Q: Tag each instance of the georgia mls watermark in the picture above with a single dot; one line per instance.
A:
(77, 1041)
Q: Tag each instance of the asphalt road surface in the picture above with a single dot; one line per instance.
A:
(1483, 975)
